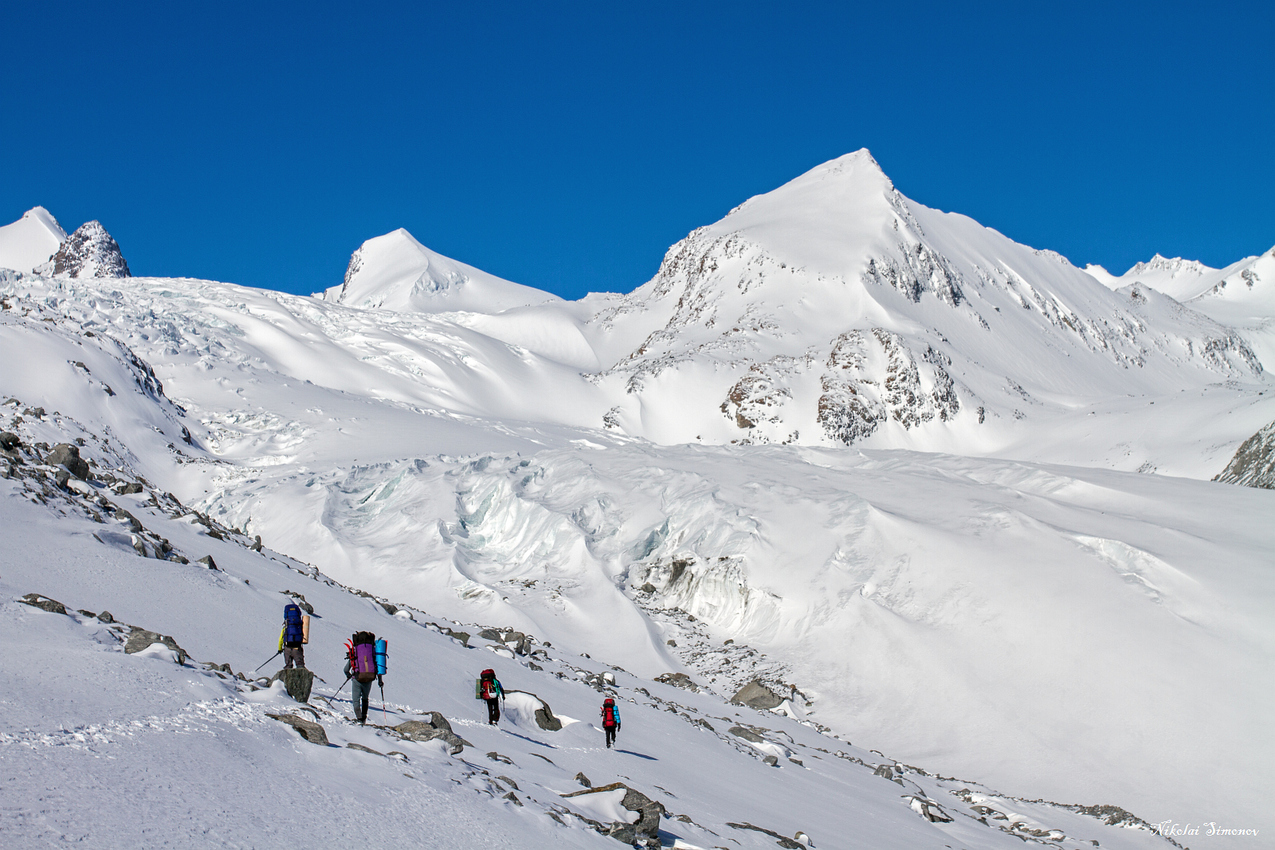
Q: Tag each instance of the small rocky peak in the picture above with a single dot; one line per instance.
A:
(89, 252)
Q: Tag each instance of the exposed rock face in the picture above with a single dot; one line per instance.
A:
(756, 695)
(1254, 463)
(678, 680)
(298, 681)
(139, 639)
(68, 457)
(307, 729)
(419, 730)
(647, 829)
(89, 252)
(44, 603)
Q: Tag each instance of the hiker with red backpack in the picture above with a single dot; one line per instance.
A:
(610, 720)
(488, 688)
(364, 665)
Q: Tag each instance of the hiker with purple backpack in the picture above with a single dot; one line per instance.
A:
(362, 669)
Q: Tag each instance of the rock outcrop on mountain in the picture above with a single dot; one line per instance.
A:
(89, 252)
(1254, 462)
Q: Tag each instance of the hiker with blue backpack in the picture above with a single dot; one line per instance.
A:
(365, 663)
(293, 637)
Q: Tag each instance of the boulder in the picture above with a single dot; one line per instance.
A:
(546, 720)
(139, 639)
(746, 733)
(68, 457)
(756, 695)
(492, 634)
(208, 562)
(647, 828)
(297, 681)
(678, 680)
(9, 441)
(307, 729)
(44, 603)
(418, 730)
(583, 780)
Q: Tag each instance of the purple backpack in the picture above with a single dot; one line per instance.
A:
(365, 662)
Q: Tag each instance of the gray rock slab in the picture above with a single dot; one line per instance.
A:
(307, 729)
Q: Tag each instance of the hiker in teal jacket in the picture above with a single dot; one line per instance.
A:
(489, 689)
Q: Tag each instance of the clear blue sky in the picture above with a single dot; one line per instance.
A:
(567, 145)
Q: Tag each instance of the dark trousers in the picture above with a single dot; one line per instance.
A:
(293, 654)
(362, 693)
(493, 709)
(610, 730)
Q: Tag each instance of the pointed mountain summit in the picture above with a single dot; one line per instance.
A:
(396, 272)
(833, 309)
(89, 252)
(30, 241)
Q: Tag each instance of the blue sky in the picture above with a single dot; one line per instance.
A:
(567, 145)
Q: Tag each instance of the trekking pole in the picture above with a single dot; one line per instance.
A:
(384, 717)
(268, 660)
(338, 690)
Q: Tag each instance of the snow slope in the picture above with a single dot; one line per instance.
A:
(125, 750)
(30, 241)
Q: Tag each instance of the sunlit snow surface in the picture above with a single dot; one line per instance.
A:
(1004, 601)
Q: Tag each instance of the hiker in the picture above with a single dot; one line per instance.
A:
(361, 668)
(610, 720)
(488, 688)
(296, 633)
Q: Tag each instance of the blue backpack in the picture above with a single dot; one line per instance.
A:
(292, 632)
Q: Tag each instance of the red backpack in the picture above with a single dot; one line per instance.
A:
(488, 686)
(608, 713)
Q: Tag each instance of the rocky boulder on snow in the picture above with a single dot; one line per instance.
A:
(756, 695)
(1254, 462)
(298, 682)
(139, 639)
(89, 252)
(44, 603)
(308, 729)
(427, 730)
(68, 457)
(647, 829)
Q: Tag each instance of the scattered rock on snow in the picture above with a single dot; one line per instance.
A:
(678, 680)
(208, 562)
(44, 603)
(756, 695)
(307, 729)
(746, 734)
(139, 639)
(68, 457)
(783, 841)
(495, 756)
(583, 780)
(418, 730)
(647, 828)
(297, 681)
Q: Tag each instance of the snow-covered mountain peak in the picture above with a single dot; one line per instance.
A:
(30, 241)
(396, 272)
(88, 252)
(1170, 267)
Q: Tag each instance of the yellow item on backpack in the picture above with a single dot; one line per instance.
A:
(281, 631)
